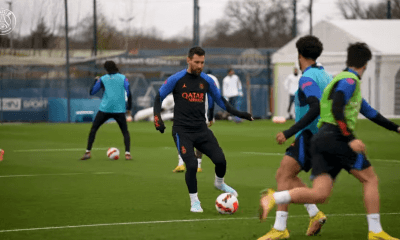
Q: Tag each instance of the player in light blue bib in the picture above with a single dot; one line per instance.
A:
(113, 105)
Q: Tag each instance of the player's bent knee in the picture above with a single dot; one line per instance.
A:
(220, 161)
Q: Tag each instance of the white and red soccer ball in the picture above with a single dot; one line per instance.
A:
(226, 203)
(113, 153)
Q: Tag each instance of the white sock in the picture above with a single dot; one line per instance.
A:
(282, 197)
(218, 181)
(374, 223)
(199, 162)
(180, 160)
(312, 209)
(193, 198)
(87, 151)
(127, 153)
(280, 220)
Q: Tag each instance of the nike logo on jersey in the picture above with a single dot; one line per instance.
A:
(306, 84)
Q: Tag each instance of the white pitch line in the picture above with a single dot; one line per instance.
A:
(175, 221)
(170, 148)
(263, 153)
(54, 174)
(58, 150)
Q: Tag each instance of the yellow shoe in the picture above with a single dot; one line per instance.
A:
(199, 170)
(179, 168)
(316, 224)
(275, 234)
(267, 202)
(380, 236)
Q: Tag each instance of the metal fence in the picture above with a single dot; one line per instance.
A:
(42, 93)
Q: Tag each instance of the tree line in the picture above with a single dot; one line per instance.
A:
(246, 24)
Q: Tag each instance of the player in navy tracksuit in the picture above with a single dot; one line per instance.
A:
(113, 105)
(189, 88)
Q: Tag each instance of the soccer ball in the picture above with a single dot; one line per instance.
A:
(113, 153)
(226, 203)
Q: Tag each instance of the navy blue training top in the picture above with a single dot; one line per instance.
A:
(189, 91)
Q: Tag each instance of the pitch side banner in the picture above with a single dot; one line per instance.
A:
(34, 104)
(23, 104)
(11, 104)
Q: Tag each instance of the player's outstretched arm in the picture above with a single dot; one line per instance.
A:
(310, 89)
(129, 94)
(377, 118)
(158, 122)
(230, 109)
(221, 101)
(97, 85)
(310, 116)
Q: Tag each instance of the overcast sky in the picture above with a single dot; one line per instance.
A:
(169, 17)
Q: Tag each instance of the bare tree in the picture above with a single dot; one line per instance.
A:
(253, 23)
(353, 9)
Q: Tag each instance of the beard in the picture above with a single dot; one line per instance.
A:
(196, 71)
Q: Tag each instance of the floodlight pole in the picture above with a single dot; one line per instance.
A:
(310, 11)
(94, 29)
(196, 23)
(11, 33)
(67, 61)
(294, 29)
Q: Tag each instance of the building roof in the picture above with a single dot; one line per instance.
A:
(382, 36)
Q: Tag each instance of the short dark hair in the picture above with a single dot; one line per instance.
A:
(309, 47)
(358, 54)
(196, 50)
(111, 67)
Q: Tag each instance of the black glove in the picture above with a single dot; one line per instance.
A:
(246, 115)
(159, 124)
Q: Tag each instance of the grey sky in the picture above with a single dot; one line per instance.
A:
(169, 17)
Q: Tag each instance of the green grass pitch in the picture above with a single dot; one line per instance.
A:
(46, 192)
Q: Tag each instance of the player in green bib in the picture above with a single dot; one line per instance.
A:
(335, 147)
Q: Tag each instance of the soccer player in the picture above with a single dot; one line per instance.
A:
(335, 147)
(190, 87)
(209, 120)
(297, 156)
(113, 105)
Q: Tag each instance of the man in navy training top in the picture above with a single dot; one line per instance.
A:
(190, 87)
(113, 105)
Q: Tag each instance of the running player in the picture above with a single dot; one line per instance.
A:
(335, 147)
(190, 87)
(297, 156)
(113, 105)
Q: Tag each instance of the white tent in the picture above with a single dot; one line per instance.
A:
(380, 83)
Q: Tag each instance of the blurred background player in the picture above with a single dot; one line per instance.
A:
(335, 147)
(291, 85)
(113, 105)
(209, 120)
(190, 87)
(298, 157)
(232, 91)
(1, 154)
